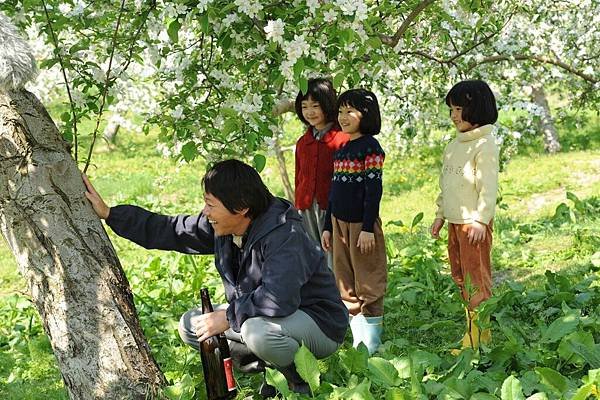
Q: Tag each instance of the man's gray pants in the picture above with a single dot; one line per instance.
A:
(265, 340)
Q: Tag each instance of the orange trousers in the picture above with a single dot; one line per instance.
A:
(361, 278)
(471, 260)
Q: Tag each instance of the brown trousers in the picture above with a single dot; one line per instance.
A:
(471, 260)
(361, 278)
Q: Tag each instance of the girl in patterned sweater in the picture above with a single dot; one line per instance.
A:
(352, 224)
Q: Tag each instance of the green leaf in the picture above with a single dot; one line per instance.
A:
(189, 151)
(511, 389)
(538, 396)
(374, 42)
(338, 80)
(354, 360)
(308, 367)
(358, 392)
(303, 83)
(416, 220)
(483, 396)
(591, 354)
(565, 348)
(182, 390)
(397, 394)
(173, 30)
(383, 371)
(553, 379)
(584, 392)
(259, 162)
(278, 381)
(298, 69)
(560, 328)
(203, 20)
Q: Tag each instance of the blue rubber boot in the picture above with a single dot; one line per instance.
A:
(372, 331)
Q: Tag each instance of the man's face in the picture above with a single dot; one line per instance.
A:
(223, 221)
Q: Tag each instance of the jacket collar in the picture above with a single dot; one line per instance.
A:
(475, 133)
(328, 137)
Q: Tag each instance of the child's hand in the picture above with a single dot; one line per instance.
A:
(476, 232)
(436, 227)
(366, 242)
(325, 240)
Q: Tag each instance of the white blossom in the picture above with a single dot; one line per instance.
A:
(329, 15)
(177, 113)
(249, 7)
(275, 30)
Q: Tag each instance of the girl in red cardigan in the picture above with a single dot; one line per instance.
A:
(314, 153)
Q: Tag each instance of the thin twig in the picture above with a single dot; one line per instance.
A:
(105, 89)
(64, 74)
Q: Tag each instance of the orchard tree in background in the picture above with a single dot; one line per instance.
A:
(209, 73)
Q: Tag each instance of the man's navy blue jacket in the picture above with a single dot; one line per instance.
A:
(281, 268)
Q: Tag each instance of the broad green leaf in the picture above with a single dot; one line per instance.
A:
(308, 367)
(416, 220)
(338, 80)
(173, 30)
(189, 151)
(259, 161)
(511, 389)
(397, 394)
(538, 396)
(358, 392)
(591, 354)
(182, 390)
(303, 83)
(553, 379)
(565, 348)
(585, 391)
(203, 20)
(402, 365)
(355, 360)
(483, 396)
(298, 69)
(560, 328)
(383, 371)
(278, 381)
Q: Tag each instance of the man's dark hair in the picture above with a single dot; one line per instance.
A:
(477, 101)
(364, 101)
(237, 185)
(320, 90)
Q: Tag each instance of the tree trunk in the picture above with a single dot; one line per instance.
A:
(285, 178)
(546, 124)
(64, 254)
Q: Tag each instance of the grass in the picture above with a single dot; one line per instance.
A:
(528, 241)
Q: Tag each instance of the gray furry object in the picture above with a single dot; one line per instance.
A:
(17, 64)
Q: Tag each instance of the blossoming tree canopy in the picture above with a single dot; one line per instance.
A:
(208, 73)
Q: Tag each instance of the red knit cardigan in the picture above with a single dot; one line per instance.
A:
(314, 167)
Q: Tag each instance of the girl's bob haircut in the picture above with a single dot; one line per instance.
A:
(477, 101)
(320, 90)
(364, 101)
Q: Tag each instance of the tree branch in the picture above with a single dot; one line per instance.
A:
(106, 85)
(540, 59)
(392, 41)
(64, 74)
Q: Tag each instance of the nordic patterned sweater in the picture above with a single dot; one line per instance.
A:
(356, 186)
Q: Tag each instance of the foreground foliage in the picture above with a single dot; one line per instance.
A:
(545, 325)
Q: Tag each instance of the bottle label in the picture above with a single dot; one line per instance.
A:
(228, 364)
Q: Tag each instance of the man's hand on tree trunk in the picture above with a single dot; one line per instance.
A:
(100, 207)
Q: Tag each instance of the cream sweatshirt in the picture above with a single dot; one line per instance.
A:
(469, 178)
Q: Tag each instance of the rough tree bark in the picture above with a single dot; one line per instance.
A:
(64, 254)
(285, 178)
(546, 124)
